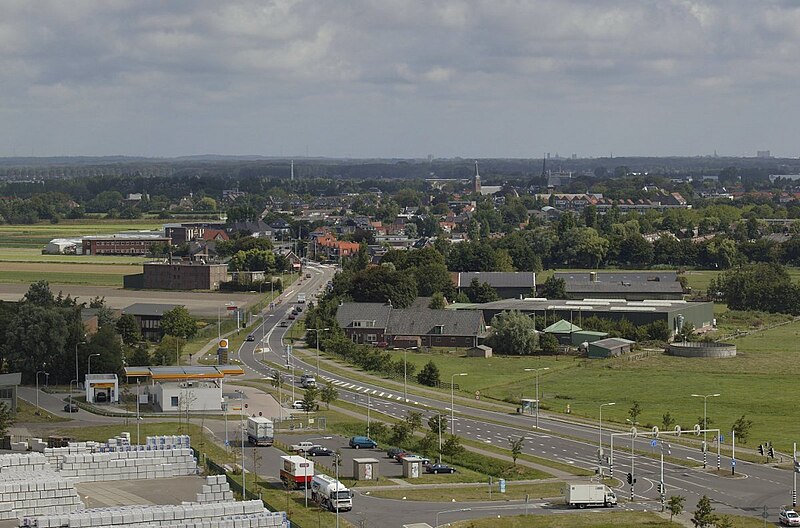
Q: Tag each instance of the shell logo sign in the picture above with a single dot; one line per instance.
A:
(223, 343)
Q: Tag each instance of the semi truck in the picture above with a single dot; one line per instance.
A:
(260, 431)
(296, 471)
(582, 495)
(331, 494)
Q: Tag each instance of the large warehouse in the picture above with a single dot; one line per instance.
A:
(674, 312)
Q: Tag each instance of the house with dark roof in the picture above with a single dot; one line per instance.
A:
(507, 284)
(631, 286)
(372, 323)
(148, 316)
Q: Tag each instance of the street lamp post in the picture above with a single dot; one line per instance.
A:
(336, 461)
(450, 511)
(138, 417)
(453, 400)
(705, 423)
(88, 373)
(47, 375)
(537, 389)
(316, 333)
(70, 392)
(405, 372)
(77, 377)
(600, 452)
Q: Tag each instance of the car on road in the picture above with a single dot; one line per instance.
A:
(298, 404)
(788, 517)
(71, 408)
(292, 317)
(319, 451)
(308, 275)
(362, 442)
(298, 309)
(439, 468)
(251, 337)
(284, 324)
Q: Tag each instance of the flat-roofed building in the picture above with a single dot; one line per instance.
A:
(184, 275)
(633, 285)
(186, 389)
(122, 243)
(8, 389)
(148, 316)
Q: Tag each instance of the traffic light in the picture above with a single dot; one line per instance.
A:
(761, 449)
(771, 452)
(630, 478)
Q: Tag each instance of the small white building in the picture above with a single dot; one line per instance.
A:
(63, 246)
(190, 388)
(102, 388)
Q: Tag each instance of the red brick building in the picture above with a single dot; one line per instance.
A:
(121, 244)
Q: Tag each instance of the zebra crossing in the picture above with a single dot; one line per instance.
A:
(372, 392)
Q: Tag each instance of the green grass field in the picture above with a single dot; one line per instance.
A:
(749, 383)
(536, 491)
(38, 235)
(20, 254)
(94, 279)
(593, 519)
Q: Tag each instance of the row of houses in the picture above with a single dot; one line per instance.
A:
(578, 202)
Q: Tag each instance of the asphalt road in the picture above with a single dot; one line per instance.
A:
(754, 487)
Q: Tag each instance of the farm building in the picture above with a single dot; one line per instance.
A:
(611, 347)
(632, 286)
(675, 313)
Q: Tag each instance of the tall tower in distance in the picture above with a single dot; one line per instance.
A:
(291, 175)
(476, 180)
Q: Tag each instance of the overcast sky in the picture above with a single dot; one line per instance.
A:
(399, 78)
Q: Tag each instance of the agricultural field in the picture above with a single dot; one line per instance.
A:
(660, 384)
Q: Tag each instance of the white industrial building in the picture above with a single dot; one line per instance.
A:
(186, 389)
(63, 246)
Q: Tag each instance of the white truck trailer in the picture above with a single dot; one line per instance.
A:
(260, 431)
(582, 495)
(296, 471)
(331, 494)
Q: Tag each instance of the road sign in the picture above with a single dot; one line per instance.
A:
(655, 431)
(697, 429)
(721, 438)
(634, 432)
(733, 462)
(654, 443)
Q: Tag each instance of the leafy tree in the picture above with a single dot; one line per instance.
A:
(177, 322)
(724, 522)
(667, 421)
(35, 339)
(414, 420)
(686, 333)
(105, 343)
(741, 427)
(329, 394)
(553, 288)
(167, 351)
(675, 505)
(428, 444)
(481, 292)
(380, 284)
(401, 432)
(548, 343)
(437, 422)
(513, 333)
(452, 447)
(310, 399)
(39, 293)
(429, 375)
(437, 301)
(703, 516)
(6, 419)
(635, 411)
(128, 329)
(516, 445)
(140, 356)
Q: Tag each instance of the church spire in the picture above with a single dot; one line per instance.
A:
(476, 180)
(291, 176)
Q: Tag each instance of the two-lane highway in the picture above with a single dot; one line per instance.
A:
(756, 486)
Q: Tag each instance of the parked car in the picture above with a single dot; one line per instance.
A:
(392, 452)
(402, 456)
(788, 517)
(284, 324)
(362, 442)
(381, 344)
(251, 337)
(439, 468)
(292, 317)
(319, 451)
(71, 408)
(298, 404)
